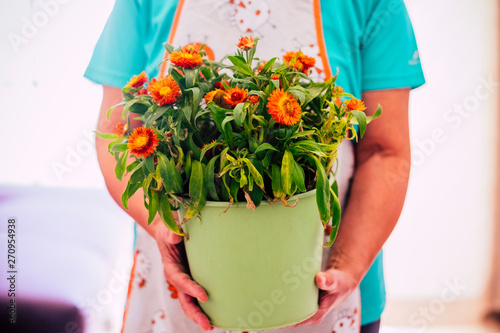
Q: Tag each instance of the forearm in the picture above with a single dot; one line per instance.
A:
(375, 203)
(107, 162)
(115, 187)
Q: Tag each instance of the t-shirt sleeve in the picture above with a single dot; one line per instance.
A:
(120, 51)
(389, 51)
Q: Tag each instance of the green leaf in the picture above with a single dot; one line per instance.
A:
(196, 181)
(150, 119)
(259, 180)
(150, 165)
(197, 190)
(129, 192)
(307, 146)
(177, 180)
(269, 64)
(147, 184)
(119, 147)
(211, 178)
(112, 108)
(276, 181)
(233, 189)
(335, 213)
(166, 215)
(153, 205)
(166, 172)
(137, 176)
(191, 76)
(287, 166)
(133, 166)
(299, 176)
(240, 112)
(187, 112)
(302, 133)
(298, 94)
(106, 136)
(258, 93)
(322, 192)
(121, 165)
(265, 146)
(377, 114)
(276, 83)
(240, 65)
(219, 116)
(168, 47)
(193, 147)
(139, 108)
(226, 121)
(361, 119)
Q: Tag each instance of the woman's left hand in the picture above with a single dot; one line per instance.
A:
(335, 286)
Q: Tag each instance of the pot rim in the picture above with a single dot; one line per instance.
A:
(263, 203)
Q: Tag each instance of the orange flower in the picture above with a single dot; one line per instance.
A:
(308, 62)
(302, 63)
(254, 99)
(188, 58)
(260, 68)
(209, 96)
(142, 91)
(235, 96)
(355, 104)
(283, 107)
(246, 43)
(137, 81)
(120, 129)
(164, 91)
(142, 142)
(337, 91)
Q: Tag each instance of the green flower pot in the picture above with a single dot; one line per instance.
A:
(258, 267)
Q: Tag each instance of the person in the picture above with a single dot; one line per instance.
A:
(371, 43)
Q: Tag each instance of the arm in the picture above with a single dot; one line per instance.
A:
(169, 244)
(376, 198)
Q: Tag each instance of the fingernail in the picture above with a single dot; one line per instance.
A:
(322, 279)
(199, 300)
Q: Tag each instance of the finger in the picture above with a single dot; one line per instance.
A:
(175, 273)
(326, 281)
(325, 304)
(194, 312)
(173, 238)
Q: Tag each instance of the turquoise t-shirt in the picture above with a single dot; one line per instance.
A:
(370, 41)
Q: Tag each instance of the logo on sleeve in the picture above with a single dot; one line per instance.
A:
(415, 60)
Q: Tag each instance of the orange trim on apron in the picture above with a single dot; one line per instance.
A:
(321, 39)
(173, 30)
(129, 292)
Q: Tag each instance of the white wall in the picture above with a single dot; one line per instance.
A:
(446, 227)
(48, 109)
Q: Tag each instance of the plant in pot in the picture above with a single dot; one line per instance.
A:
(244, 150)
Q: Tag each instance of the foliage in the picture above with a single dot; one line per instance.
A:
(247, 131)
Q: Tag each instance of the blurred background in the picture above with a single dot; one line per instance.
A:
(442, 263)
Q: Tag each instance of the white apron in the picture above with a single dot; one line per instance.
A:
(152, 304)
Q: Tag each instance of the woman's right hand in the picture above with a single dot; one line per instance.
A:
(176, 271)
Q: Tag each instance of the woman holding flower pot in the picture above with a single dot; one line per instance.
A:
(373, 46)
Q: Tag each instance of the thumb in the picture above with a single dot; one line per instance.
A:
(326, 280)
(173, 238)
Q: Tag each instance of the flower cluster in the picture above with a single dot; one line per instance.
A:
(264, 132)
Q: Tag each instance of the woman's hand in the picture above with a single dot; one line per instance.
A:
(177, 273)
(335, 286)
